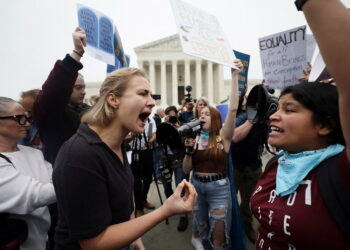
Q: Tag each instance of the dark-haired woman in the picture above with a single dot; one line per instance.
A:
(208, 160)
(288, 201)
(291, 200)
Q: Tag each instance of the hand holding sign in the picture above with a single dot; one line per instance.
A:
(79, 41)
(238, 63)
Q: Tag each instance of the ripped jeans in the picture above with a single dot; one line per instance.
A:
(213, 207)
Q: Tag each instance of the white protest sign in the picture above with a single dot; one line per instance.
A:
(201, 34)
(317, 68)
(283, 57)
(99, 33)
(310, 47)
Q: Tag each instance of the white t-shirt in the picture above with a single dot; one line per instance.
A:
(150, 128)
(25, 191)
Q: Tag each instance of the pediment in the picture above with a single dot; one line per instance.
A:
(165, 44)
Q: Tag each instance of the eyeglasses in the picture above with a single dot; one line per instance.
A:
(21, 119)
(79, 87)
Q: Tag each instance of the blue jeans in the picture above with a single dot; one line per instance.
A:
(179, 176)
(214, 195)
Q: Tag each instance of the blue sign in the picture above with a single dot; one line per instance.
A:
(98, 28)
(121, 60)
(243, 76)
(106, 35)
(223, 108)
(118, 64)
(88, 21)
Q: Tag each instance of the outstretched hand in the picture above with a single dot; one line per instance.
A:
(79, 40)
(177, 204)
(239, 65)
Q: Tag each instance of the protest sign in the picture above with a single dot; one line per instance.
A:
(283, 57)
(99, 33)
(223, 109)
(121, 60)
(319, 71)
(243, 76)
(118, 64)
(201, 34)
(310, 47)
(317, 68)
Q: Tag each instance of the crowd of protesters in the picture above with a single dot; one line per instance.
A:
(75, 176)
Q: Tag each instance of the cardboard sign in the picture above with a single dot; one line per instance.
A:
(283, 57)
(201, 34)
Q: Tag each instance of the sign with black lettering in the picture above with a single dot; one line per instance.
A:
(201, 34)
(283, 57)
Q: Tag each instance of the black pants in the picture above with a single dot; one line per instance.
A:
(143, 171)
(51, 233)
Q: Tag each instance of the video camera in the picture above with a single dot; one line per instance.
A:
(173, 120)
(172, 138)
(168, 134)
(188, 96)
(260, 104)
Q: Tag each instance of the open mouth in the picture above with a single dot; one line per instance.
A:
(276, 129)
(144, 116)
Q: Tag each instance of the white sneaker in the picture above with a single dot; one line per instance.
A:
(197, 243)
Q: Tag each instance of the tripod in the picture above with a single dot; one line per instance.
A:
(143, 170)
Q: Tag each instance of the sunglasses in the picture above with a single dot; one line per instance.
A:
(21, 119)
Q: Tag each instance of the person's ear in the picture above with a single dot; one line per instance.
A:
(113, 100)
(324, 129)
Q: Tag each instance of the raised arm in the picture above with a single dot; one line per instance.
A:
(241, 132)
(227, 130)
(57, 89)
(329, 20)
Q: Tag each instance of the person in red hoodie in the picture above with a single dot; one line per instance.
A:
(59, 105)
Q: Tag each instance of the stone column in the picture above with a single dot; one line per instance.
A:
(198, 79)
(174, 83)
(210, 82)
(163, 83)
(141, 65)
(187, 73)
(152, 76)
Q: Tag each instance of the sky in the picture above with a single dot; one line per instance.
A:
(35, 33)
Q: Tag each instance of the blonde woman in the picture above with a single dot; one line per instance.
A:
(92, 178)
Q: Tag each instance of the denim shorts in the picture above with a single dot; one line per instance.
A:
(212, 196)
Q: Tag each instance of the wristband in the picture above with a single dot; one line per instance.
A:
(299, 4)
(78, 53)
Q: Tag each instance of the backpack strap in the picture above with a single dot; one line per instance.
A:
(335, 193)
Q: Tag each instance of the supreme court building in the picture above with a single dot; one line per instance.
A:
(170, 71)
